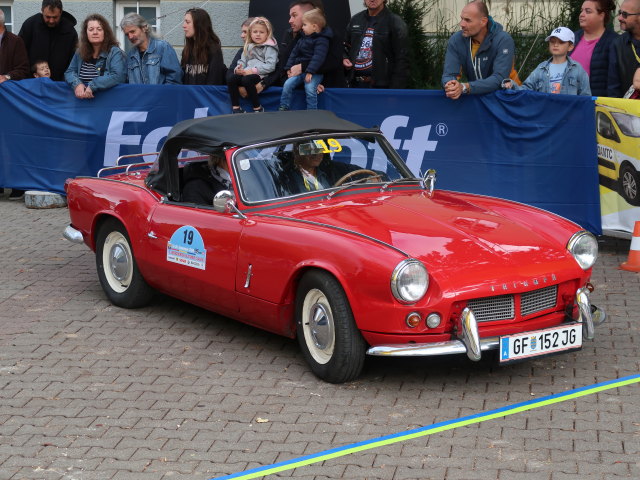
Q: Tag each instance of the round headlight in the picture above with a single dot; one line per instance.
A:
(409, 281)
(584, 248)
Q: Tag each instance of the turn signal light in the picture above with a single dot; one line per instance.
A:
(413, 319)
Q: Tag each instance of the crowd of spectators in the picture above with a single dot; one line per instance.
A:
(372, 52)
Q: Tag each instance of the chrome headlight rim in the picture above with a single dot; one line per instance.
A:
(397, 276)
(583, 240)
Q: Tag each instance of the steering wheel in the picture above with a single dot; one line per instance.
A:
(347, 176)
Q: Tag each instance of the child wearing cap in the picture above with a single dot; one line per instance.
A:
(559, 74)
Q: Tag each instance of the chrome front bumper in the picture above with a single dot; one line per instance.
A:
(73, 235)
(469, 340)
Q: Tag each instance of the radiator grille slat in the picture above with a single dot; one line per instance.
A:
(538, 300)
(493, 308)
(502, 307)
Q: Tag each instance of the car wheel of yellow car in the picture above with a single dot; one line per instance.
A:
(329, 338)
(117, 269)
(629, 183)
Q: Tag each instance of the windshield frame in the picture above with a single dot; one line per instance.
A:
(391, 153)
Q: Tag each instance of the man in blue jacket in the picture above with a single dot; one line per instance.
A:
(151, 61)
(482, 51)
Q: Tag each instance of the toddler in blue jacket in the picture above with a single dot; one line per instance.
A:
(311, 50)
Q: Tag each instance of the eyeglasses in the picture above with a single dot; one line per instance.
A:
(624, 14)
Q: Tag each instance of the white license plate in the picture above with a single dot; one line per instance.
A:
(540, 342)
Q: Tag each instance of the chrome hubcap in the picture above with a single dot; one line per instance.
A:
(119, 262)
(318, 326)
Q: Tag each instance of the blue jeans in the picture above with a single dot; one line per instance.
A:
(310, 90)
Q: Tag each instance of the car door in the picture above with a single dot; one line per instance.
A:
(192, 255)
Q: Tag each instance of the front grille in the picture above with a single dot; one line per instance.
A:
(503, 307)
(492, 308)
(538, 300)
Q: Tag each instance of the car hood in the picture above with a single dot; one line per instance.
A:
(453, 233)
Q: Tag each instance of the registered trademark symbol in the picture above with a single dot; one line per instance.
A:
(442, 129)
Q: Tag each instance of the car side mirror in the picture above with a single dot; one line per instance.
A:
(429, 181)
(225, 202)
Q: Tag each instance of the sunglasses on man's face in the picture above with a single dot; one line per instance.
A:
(624, 14)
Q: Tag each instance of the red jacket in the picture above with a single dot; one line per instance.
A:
(14, 60)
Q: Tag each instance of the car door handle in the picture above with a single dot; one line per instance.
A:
(248, 279)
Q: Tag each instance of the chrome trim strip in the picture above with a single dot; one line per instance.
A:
(431, 349)
(73, 235)
(133, 155)
(340, 229)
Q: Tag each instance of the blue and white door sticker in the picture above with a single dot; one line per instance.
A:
(186, 247)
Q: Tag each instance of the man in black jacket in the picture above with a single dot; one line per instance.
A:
(331, 69)
(50, 36)
(624, 54)
(376, 48)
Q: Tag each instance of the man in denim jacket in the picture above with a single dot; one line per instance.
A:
(150, 61)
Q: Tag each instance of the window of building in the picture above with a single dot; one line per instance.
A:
(8, 16)
(149, 10)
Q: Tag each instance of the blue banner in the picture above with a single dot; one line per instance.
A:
(529, 147)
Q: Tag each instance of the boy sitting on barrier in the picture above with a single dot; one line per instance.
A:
(559, 74)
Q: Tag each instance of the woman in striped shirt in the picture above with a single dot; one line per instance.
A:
(99, 63)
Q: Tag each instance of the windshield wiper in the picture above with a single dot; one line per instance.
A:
(346, 185)
(397, 180)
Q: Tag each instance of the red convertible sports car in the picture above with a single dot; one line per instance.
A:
(310, 226)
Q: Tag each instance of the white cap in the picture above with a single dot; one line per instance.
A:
(562, 33)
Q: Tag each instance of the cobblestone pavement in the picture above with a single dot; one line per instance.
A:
(91, 391)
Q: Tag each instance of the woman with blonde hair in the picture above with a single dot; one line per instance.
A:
(99, 63)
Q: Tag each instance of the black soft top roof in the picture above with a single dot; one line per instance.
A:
(212, 133)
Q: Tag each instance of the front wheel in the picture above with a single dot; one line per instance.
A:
(330, 341)
(117, 269)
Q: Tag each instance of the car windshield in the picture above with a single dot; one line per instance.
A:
(629, 124)
(310, 164)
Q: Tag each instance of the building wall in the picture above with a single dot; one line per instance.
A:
(447, 12)
(226, 15)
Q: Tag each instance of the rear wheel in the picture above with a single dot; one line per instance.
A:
(629, 184)
(117, 269)
(330, 341)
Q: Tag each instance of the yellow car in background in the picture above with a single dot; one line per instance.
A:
(618, 134)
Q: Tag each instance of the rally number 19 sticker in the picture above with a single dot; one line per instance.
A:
(187, 248)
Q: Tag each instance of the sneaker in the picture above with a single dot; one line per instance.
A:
(237, 110)
(16, 194)
(282, 108)
(258, 110)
